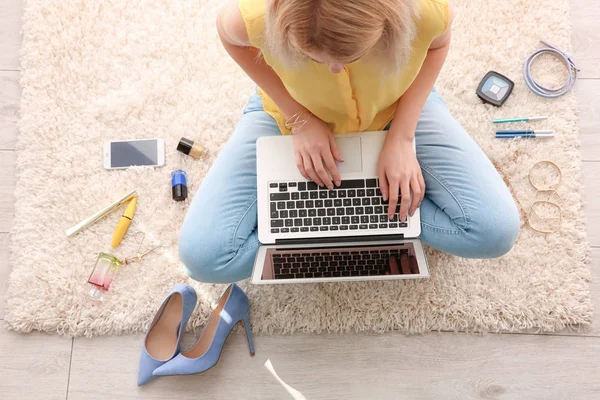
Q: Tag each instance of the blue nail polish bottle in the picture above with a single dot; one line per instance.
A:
(179, 185)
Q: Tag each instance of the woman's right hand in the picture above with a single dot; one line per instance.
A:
(316, 152)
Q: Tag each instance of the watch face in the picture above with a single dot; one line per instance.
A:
(495, 88)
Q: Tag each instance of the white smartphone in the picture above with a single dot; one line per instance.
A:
(119, 154)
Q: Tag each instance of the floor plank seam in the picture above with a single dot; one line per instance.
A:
(69, 374)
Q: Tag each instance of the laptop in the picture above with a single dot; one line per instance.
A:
(313, 234)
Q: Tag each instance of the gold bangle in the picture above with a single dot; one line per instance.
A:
(296, 122)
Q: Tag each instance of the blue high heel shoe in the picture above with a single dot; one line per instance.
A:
(232, 308)
(162, 341)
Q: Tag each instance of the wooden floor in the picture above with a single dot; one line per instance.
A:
(391, 366)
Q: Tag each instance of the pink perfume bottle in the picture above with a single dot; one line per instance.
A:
(103, 274)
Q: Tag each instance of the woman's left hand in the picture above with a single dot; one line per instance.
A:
(400, 173)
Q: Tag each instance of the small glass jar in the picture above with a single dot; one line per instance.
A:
(104, 272)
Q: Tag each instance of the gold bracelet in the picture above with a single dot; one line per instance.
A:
(296, 122)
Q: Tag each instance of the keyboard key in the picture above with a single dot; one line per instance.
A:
(289, 222)
(322, 194)
(275, 230)
(330, 212)
(344, 228)
(312, 212)
(372, 183)
(301, 186)
(283, 214)
(340, 211)
(383, 226)
(351, 193)
(366, 201)
(318, 203)
(274, 214)
(281, 205)
(378, 209)
(363, 226)
(293, 213)
(376, 201)
(283, 187)
(383, 218)
(303, 213)
(352, 183)
(336, 273)
(349, 211)
(314, 195)
(285, 230)
(311, 186)
(393, 225)
(321, 212)
(353, 227)
(345, 273)
(378, 192)
(304, 195)
(364, 219)
(309, 204)
(359, 210)
(403, 225)
(276, 223)
(373, 219)
(341, 193)
(295, 229)
(291, 184)
(279, 196)
(298, 222)
(356, 202)
(324, 228)
(345, 220)
(369, 210)
(328, 203)
(372, 226)
(371, 192)
(314, 228)
(335, 220)
(316, 221)
(307, 221)
(332, 194)
(304, 229)
(347, 202)
(273, 184)
(295, 195)
(361, 193)
(336, 203)
(334, 227)
(355, 219)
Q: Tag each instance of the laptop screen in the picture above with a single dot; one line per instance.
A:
(355, 261)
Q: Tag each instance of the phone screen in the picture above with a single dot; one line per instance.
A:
(134, 153)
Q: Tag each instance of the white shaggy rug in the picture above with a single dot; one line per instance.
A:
(99, 70)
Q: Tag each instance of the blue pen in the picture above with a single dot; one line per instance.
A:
(532, 134)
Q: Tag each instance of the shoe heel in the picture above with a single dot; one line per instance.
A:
(249, 334)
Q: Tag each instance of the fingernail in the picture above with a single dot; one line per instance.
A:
(403, 219)
(390, 217)
(338, 183)
(384, 197)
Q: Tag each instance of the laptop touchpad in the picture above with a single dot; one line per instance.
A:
(350, 148)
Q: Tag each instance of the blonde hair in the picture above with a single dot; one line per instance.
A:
(343, 29)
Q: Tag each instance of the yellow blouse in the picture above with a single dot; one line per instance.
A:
(356, 99)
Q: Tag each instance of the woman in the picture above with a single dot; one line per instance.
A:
(326, 67)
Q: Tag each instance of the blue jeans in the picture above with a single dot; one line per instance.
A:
(467, 211)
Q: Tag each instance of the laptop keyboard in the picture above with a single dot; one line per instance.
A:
(325, 264)
(304, 207)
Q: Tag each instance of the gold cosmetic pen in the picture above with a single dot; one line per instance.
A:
(102, 213)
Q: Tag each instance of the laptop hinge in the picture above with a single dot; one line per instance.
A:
(338, 239)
